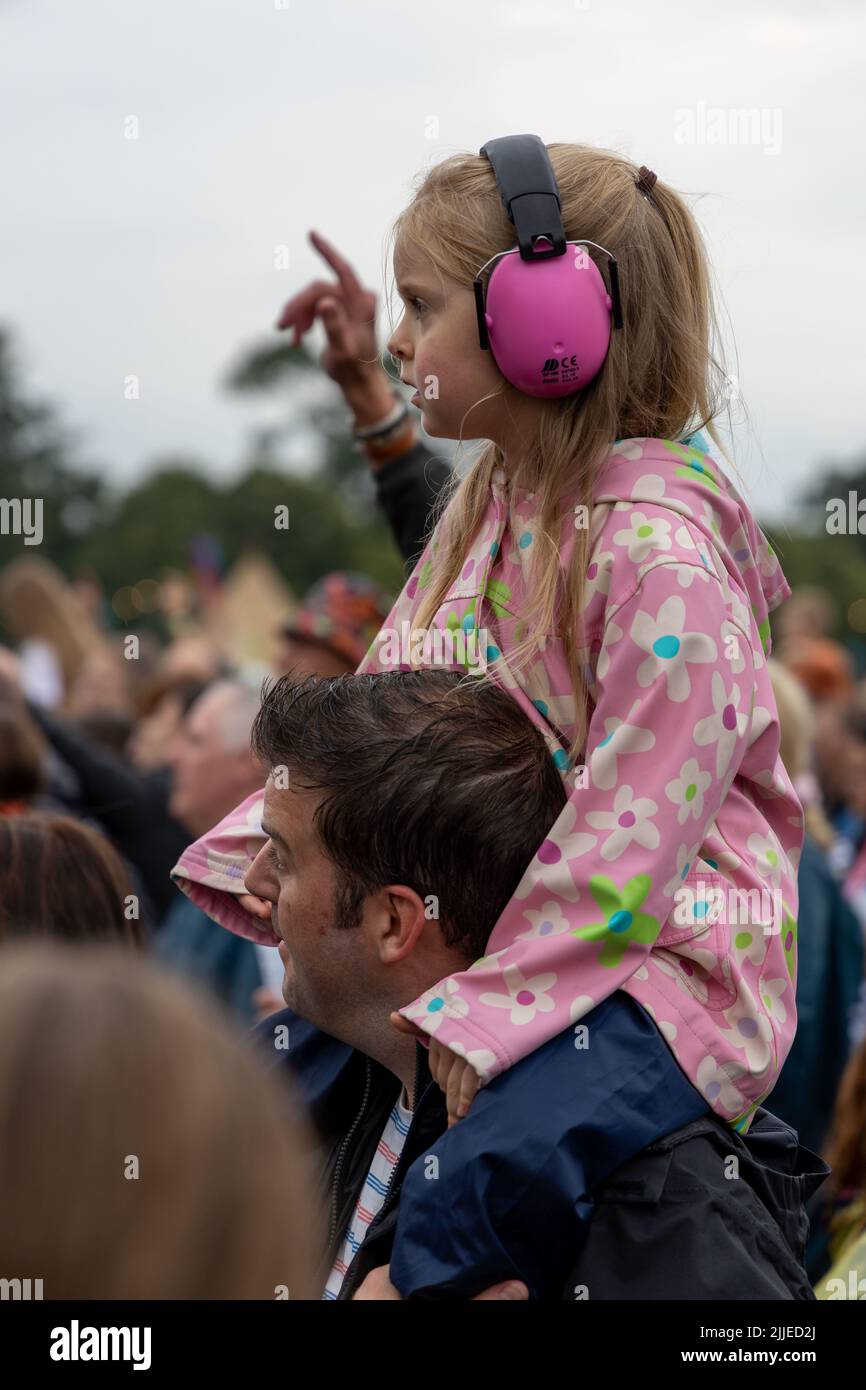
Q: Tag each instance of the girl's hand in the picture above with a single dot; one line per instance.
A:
(256, 907)
(348, 313)
(454, 1075)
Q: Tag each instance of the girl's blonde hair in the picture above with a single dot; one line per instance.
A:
(662, 377)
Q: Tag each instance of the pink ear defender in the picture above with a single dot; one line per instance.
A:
(547, 313)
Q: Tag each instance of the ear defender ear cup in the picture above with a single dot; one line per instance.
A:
(548, 322)
(546, 314)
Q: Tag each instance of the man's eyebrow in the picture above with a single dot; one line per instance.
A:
(412, 286)
(274, 835)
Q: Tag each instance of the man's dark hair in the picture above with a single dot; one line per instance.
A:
(433, 779)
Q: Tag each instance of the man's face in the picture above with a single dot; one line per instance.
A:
(329, 970)
(208, 778)
(438, 339)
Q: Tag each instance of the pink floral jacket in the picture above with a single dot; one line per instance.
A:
(671, 871)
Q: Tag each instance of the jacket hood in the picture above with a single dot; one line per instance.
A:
(685, 478)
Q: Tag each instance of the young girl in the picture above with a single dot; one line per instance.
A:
(620, 591)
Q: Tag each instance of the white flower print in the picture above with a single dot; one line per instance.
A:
(620, 737)
(684, 538)
(525, 998)
(717, 1083)
(629, 821)
(772, 782)
(740, 547)
(524, 532)
(768, 855)
(761, 720)
(711, 521)
(550, 920)
(484, 962)
(741, 613)
(667, 1030)
(443, 1001)
(724, 859)
(598, 574)
(643, 535)
(749, 1030)
(651, 488)
(725, 726)
(748, 941)
(767, 559)
(685, 854)
(733, 643)
(580, 1006)
(669, 648)
(612, 634)
(771, 993)
(687, 790)
(480, 1059)
(631, 449)
(554, 858)
(558, 709)
(498, 666)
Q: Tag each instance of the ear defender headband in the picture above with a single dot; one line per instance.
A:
(547, 314)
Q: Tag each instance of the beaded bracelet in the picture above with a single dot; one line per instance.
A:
(398, 442)
(384, 427)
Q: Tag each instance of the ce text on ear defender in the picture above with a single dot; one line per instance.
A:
(546, 315)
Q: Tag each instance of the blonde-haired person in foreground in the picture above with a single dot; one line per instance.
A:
(180, 1161)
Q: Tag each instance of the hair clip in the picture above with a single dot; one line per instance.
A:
(645, 180)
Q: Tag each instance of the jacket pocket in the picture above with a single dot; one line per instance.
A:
(694, 943)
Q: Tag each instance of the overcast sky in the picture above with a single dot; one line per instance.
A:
(258, 120)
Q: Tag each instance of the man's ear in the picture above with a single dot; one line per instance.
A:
(396, 920)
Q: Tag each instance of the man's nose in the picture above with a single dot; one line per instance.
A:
(257, 879)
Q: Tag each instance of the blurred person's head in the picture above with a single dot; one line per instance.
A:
(415, 802)
(303, 656)
(333, 628)
(213, 767)
(810, 612)
(823, 666)
(194, 656)
(163, 707)
(831, 749)
(110, 729)
(101, 686)
(22, 754)
(147, 1154)
(62, 879)
(37, 602)
(853, 751)
(797, 729)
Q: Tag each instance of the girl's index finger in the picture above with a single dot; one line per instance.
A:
(344, 272)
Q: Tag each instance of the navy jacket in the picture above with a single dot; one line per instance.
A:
(596, 1168)
(507, 1191)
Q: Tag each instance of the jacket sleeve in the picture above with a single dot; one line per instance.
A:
(508, 1193)
(131, 809)
(407, 490)
(674, 692)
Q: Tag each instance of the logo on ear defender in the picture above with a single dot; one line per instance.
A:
(560, 368)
